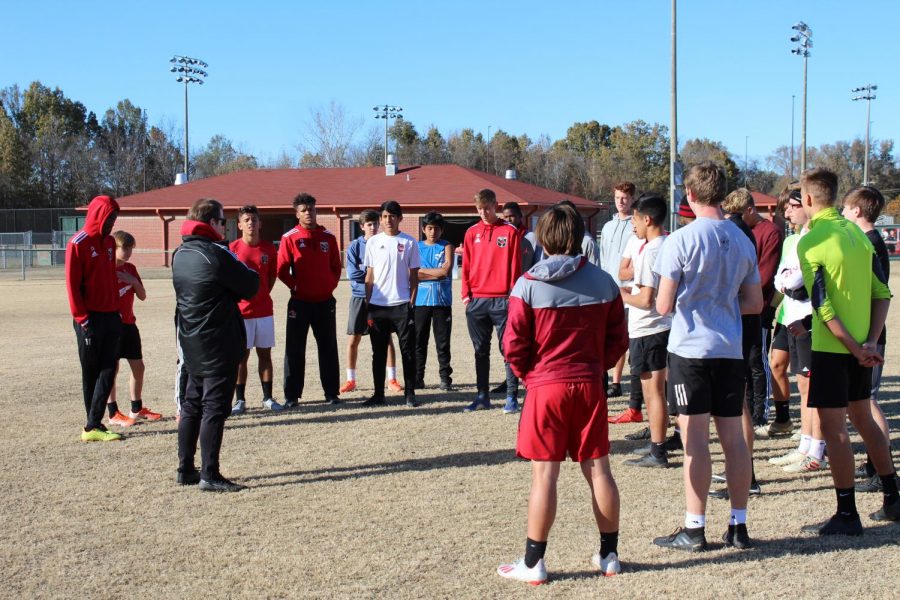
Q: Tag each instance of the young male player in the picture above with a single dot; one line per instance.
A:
(433, 299)
(850, 303)
(566, 327)
(492, 262)
(512, 214)
(392, 270)
(309, 264)
(130, 285)
(356, 321)
(258, 313)
(708, 277)
(92, 286)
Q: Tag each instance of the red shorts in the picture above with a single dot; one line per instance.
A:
(561, 418)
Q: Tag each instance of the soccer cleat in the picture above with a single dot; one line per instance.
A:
(836, 525)
(536, 575)
(145, 414)
(629, 415)
(238, 408)
(445, 386)
(614, 390)
(719, 477)
(349, 386)
(673, 443)
(862, 471)
(121, 420)
(511, 406)
(394, 385)
(188, 477)
(794, 456)
(608, 566)
(890, 512)
(100, 434)
(220, 484)
(807, 465)
(648, 460)
(332, 401)
(291, 404)
(272, 405)
(778, 429)
(643, 434)
(797, 436)
(722, 494)
(683, 539)
(481, 401)
(872, 484)
(411, 401)
(737, 537)
(374, 401)
(500, 389)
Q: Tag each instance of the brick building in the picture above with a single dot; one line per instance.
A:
(155, 218)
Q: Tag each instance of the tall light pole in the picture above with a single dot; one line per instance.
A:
(673, 141)
(746, 143)
(792, 136)
(189, 71)
(387, 112)
(488, 147)
(803, 39)
(868, 95)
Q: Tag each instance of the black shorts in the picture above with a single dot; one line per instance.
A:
(130, 343)
(780, 338)
(648, 353)
(707, 385)
(837, 379)
(800, 349)
(357, 321)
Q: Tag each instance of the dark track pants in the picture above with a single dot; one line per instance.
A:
(482, 316)
(321, 317)
(441, 318)
(206, 405)
(99, 359)
(382, 321)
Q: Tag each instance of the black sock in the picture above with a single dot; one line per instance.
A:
(870, 468)
(534, 551)
(239, 391)
(658, 450)
(267, 389)
(137, 405)
(753, 482)
(889, 488)
(782, 412)
(112, 408)
(609, 542)
(846, 502)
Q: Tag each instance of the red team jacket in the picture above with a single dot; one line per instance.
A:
(263, 259)
(91, 280)
(126, 295)
(492, 260)
(309, 263)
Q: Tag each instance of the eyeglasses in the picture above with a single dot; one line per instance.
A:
(221, 220)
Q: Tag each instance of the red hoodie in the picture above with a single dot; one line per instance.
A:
(492, 260)
(309, 263)
(91, 280)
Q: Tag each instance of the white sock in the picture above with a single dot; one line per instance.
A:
(694, 521)
(351, 374)
(817, 449)
(392, 373)
(738, 516)
(805, 441)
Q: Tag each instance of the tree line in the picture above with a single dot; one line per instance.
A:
(56, 153)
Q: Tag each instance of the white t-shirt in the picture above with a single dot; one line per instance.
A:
(643, 322)
(634, 242)
(391, 258)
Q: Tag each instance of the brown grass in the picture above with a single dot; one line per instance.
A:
(350, 502)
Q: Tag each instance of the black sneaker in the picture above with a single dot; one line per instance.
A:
(648, 460)
(374, 401)
(722, 494)
(220, 485)
(872, 484)
(332, 401)
(500, 389)
(411, 401)
(890, 512)
(445, 386)
(861, 471)
(674, 443)
(692, 540)
(420, 384)
(737, 537)
(614, 390)
(188, 477)
(290, 404)
(836, 525)
(643, 434)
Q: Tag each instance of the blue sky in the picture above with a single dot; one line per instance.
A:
(531, 67)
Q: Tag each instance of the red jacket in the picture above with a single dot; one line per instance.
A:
(263, 259)
(768, 253)
(309, 263)
(492, 260)
(91, 280)
(566, 323)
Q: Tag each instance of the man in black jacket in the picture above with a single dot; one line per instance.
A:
(209, 280)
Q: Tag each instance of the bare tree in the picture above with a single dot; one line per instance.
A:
(329, 137)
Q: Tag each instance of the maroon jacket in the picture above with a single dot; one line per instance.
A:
(91, 280)
(768, 253)
(309, 263)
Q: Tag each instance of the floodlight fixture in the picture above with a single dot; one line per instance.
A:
(868, 94)
(803, 39)
(187, 74)
(387, 112)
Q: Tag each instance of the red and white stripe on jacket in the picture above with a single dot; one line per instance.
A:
(566, 323)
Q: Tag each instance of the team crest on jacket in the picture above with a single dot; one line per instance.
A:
(323, 246)
(501, 241)
(264, 259)
(109, 254)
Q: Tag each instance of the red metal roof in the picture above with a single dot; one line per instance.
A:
(361, 187)
(764, 200)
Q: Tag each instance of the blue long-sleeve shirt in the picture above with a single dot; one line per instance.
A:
(356, 267)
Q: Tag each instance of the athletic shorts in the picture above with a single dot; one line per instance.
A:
(357, 321)
(876, 374)
(800, 349)
(130, 342)
(837, 379)
(780, 338)
(648, 353)
(564, 418)
(260, 332)
(707, 385)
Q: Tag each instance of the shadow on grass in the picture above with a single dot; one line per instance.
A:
(484, 458)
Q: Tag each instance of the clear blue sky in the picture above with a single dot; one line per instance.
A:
(531, 67)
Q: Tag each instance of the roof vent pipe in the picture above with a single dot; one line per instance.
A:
(180, 178)
(511, 174)
(390, 167)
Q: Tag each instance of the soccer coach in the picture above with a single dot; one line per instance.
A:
(209, 280)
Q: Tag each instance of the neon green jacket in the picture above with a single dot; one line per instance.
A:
(837, 261)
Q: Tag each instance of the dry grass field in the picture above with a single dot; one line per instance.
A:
(349, 502)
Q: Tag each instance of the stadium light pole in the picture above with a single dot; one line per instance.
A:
(792, 136)
(188, 70)
(673, 141)
(868, 95)
(488, 157)
(803, 39)
(387, 112)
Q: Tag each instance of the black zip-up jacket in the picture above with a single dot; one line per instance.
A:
(209, 280)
